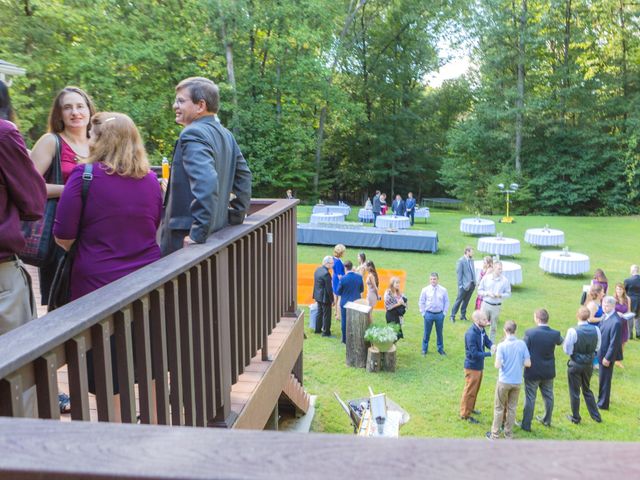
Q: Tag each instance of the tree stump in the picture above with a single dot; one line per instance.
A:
(389, 360)
(374, 360)
(357, 323)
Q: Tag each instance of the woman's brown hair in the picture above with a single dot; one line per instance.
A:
(56, 124)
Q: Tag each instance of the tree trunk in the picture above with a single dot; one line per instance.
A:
(520, 97)
(231, 76)
(566, 80)
(323, 111)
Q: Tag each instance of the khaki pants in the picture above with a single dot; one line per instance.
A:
(493, 314)
(472, 382)
(17, 307)
(506, 401)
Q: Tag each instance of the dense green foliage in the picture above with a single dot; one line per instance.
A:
(329, 97)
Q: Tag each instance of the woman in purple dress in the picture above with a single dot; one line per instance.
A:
(116, 232)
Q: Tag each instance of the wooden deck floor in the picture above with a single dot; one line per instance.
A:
(241, 391)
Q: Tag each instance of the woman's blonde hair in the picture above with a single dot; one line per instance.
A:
(339, 250)
(118, 145)
(392, 281)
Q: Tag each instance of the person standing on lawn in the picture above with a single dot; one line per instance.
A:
(541, 342)
(323, 295)
(475, 343)
(433, 304)
(512, 356)
(581, 344)
(466, 275)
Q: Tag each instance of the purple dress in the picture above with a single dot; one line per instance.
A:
(117, 232)
(621, 309)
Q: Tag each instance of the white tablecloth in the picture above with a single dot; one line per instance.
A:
(555, 262)
(326, 218)
(499, 246)
(342, 209)
(392, 221)
(365, 215)
(477, 226)
(544, 237)
(511, 270)
(422, 213)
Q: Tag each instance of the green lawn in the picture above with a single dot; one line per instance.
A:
(430, 388)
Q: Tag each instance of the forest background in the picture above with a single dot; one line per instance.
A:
(330, 97)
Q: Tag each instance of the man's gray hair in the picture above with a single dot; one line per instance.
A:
(327, 259)
(635, 269)
(609, 300)
(201, 88)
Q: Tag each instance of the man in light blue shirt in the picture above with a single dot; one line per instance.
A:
(433, 304)
(512, 356)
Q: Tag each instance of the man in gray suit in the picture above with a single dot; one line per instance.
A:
(210, 183)
(465, 271)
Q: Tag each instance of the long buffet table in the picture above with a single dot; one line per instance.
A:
(357, 236)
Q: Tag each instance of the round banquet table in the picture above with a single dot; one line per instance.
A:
(365, 215)
(544, 237)
(499, 246)
(392, 221)
(342, 209)
(326, 218)
(556, 261)
(422, 213)
(511, 270)
(477, 226)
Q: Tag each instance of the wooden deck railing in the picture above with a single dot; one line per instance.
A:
(191, 321)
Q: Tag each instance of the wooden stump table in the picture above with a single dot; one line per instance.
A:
(358, 319)
(381, 361)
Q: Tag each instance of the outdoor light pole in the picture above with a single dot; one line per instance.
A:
(511, 189)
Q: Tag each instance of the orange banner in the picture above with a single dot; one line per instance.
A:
(305, 283)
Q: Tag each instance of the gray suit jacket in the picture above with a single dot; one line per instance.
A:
(465, 272)
(207, 166)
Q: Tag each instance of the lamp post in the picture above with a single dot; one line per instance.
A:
(508, 190)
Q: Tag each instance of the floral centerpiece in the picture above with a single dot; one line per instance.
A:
(382, 337)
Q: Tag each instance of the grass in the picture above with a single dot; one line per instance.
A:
(430, 388)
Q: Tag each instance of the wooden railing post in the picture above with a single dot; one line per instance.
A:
(224, 417)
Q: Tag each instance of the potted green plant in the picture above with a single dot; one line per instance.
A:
(382, 337)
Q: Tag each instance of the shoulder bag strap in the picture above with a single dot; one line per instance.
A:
(55, 172)
(87, 176)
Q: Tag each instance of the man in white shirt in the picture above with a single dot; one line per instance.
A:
(433, 304)
(493, 288)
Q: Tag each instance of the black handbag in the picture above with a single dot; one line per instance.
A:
(60, 292)
(39, 249)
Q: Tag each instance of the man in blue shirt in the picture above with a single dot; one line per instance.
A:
(350, 289)
(475, 342)
(512, 355)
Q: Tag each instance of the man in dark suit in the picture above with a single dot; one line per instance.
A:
(398, 206)
(377, 206)
(632, 287)
(349, 289)
(610, 349)
(466, 275)
(541, 342)
(323, 295)
(210, 182)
